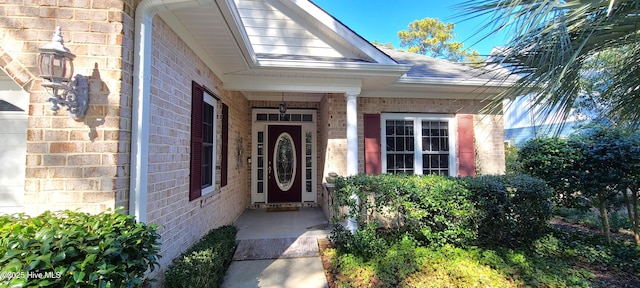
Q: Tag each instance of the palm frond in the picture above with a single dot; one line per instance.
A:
(551, 42)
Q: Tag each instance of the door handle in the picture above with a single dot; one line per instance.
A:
(269, 170)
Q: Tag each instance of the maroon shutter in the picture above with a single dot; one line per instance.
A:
(197, 101)
(467, 157)
(225, 145)
(372, 146)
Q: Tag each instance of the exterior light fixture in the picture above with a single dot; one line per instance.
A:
(56, 66)
(283, 107)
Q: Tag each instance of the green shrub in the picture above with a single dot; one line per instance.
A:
(439, 210)
(513, 209)
(365, 242)
(552, 160)
(204, 264)
(73, 249)
(435, 210)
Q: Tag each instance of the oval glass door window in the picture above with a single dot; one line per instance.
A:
(284, 160)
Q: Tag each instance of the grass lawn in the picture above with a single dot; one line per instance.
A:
(567, 256)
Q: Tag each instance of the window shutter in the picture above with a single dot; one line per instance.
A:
(467, 159)
(225, 145)
(372, 144)
(197, 100)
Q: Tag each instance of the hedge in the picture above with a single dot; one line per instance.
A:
(510, 210)
(513, 209)
(206, 263)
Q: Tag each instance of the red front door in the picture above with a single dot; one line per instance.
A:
(284, 158)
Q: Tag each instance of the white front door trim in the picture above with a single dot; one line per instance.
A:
(259, 134)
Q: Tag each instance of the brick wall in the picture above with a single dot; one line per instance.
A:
(488, 128)
(332, 130)
(174, 66)
(73, 165)
(489, 133)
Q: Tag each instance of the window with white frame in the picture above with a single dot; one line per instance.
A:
(204, 115)
(209, 143)
(418, 144)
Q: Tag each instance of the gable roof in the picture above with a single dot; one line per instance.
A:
(295, 46)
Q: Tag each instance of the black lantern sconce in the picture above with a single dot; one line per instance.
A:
(55, 62)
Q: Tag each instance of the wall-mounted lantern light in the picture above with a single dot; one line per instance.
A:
(56, 66)
(282, 107)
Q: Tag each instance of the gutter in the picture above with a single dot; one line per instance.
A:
(141, 99)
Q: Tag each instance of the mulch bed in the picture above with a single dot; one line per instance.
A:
(324, 244)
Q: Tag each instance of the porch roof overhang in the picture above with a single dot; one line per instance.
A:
(293, 46)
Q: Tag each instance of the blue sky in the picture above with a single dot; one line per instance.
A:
(380, 20)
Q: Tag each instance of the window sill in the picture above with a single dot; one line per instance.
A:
(209, 198)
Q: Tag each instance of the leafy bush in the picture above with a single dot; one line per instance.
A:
(435, 210)
(552, 160)
(439, 211)
(513, 209)
(73, 249)
(365, 242)
(204, 264)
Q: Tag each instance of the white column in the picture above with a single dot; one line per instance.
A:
(352, 149)
(352, 134)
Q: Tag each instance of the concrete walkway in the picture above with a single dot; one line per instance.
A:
(304, 272)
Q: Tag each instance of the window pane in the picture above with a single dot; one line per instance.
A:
(435, 145)
(391, 144)
(435, 161)
(389, 128)
(408, 161)
(400, 144)
(444, 144)
(444, 161)
(207, 167)
(208, 129)
(409, 144)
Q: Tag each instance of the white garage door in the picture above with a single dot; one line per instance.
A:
(13, 144)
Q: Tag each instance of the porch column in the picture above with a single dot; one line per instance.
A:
(352, 134)
(352, 149)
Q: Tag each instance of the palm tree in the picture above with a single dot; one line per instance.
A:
(553, 42)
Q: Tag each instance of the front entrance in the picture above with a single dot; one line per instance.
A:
(284, 160)
(283, 157)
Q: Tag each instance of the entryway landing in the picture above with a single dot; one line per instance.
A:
(260, 224)
(279, 249)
